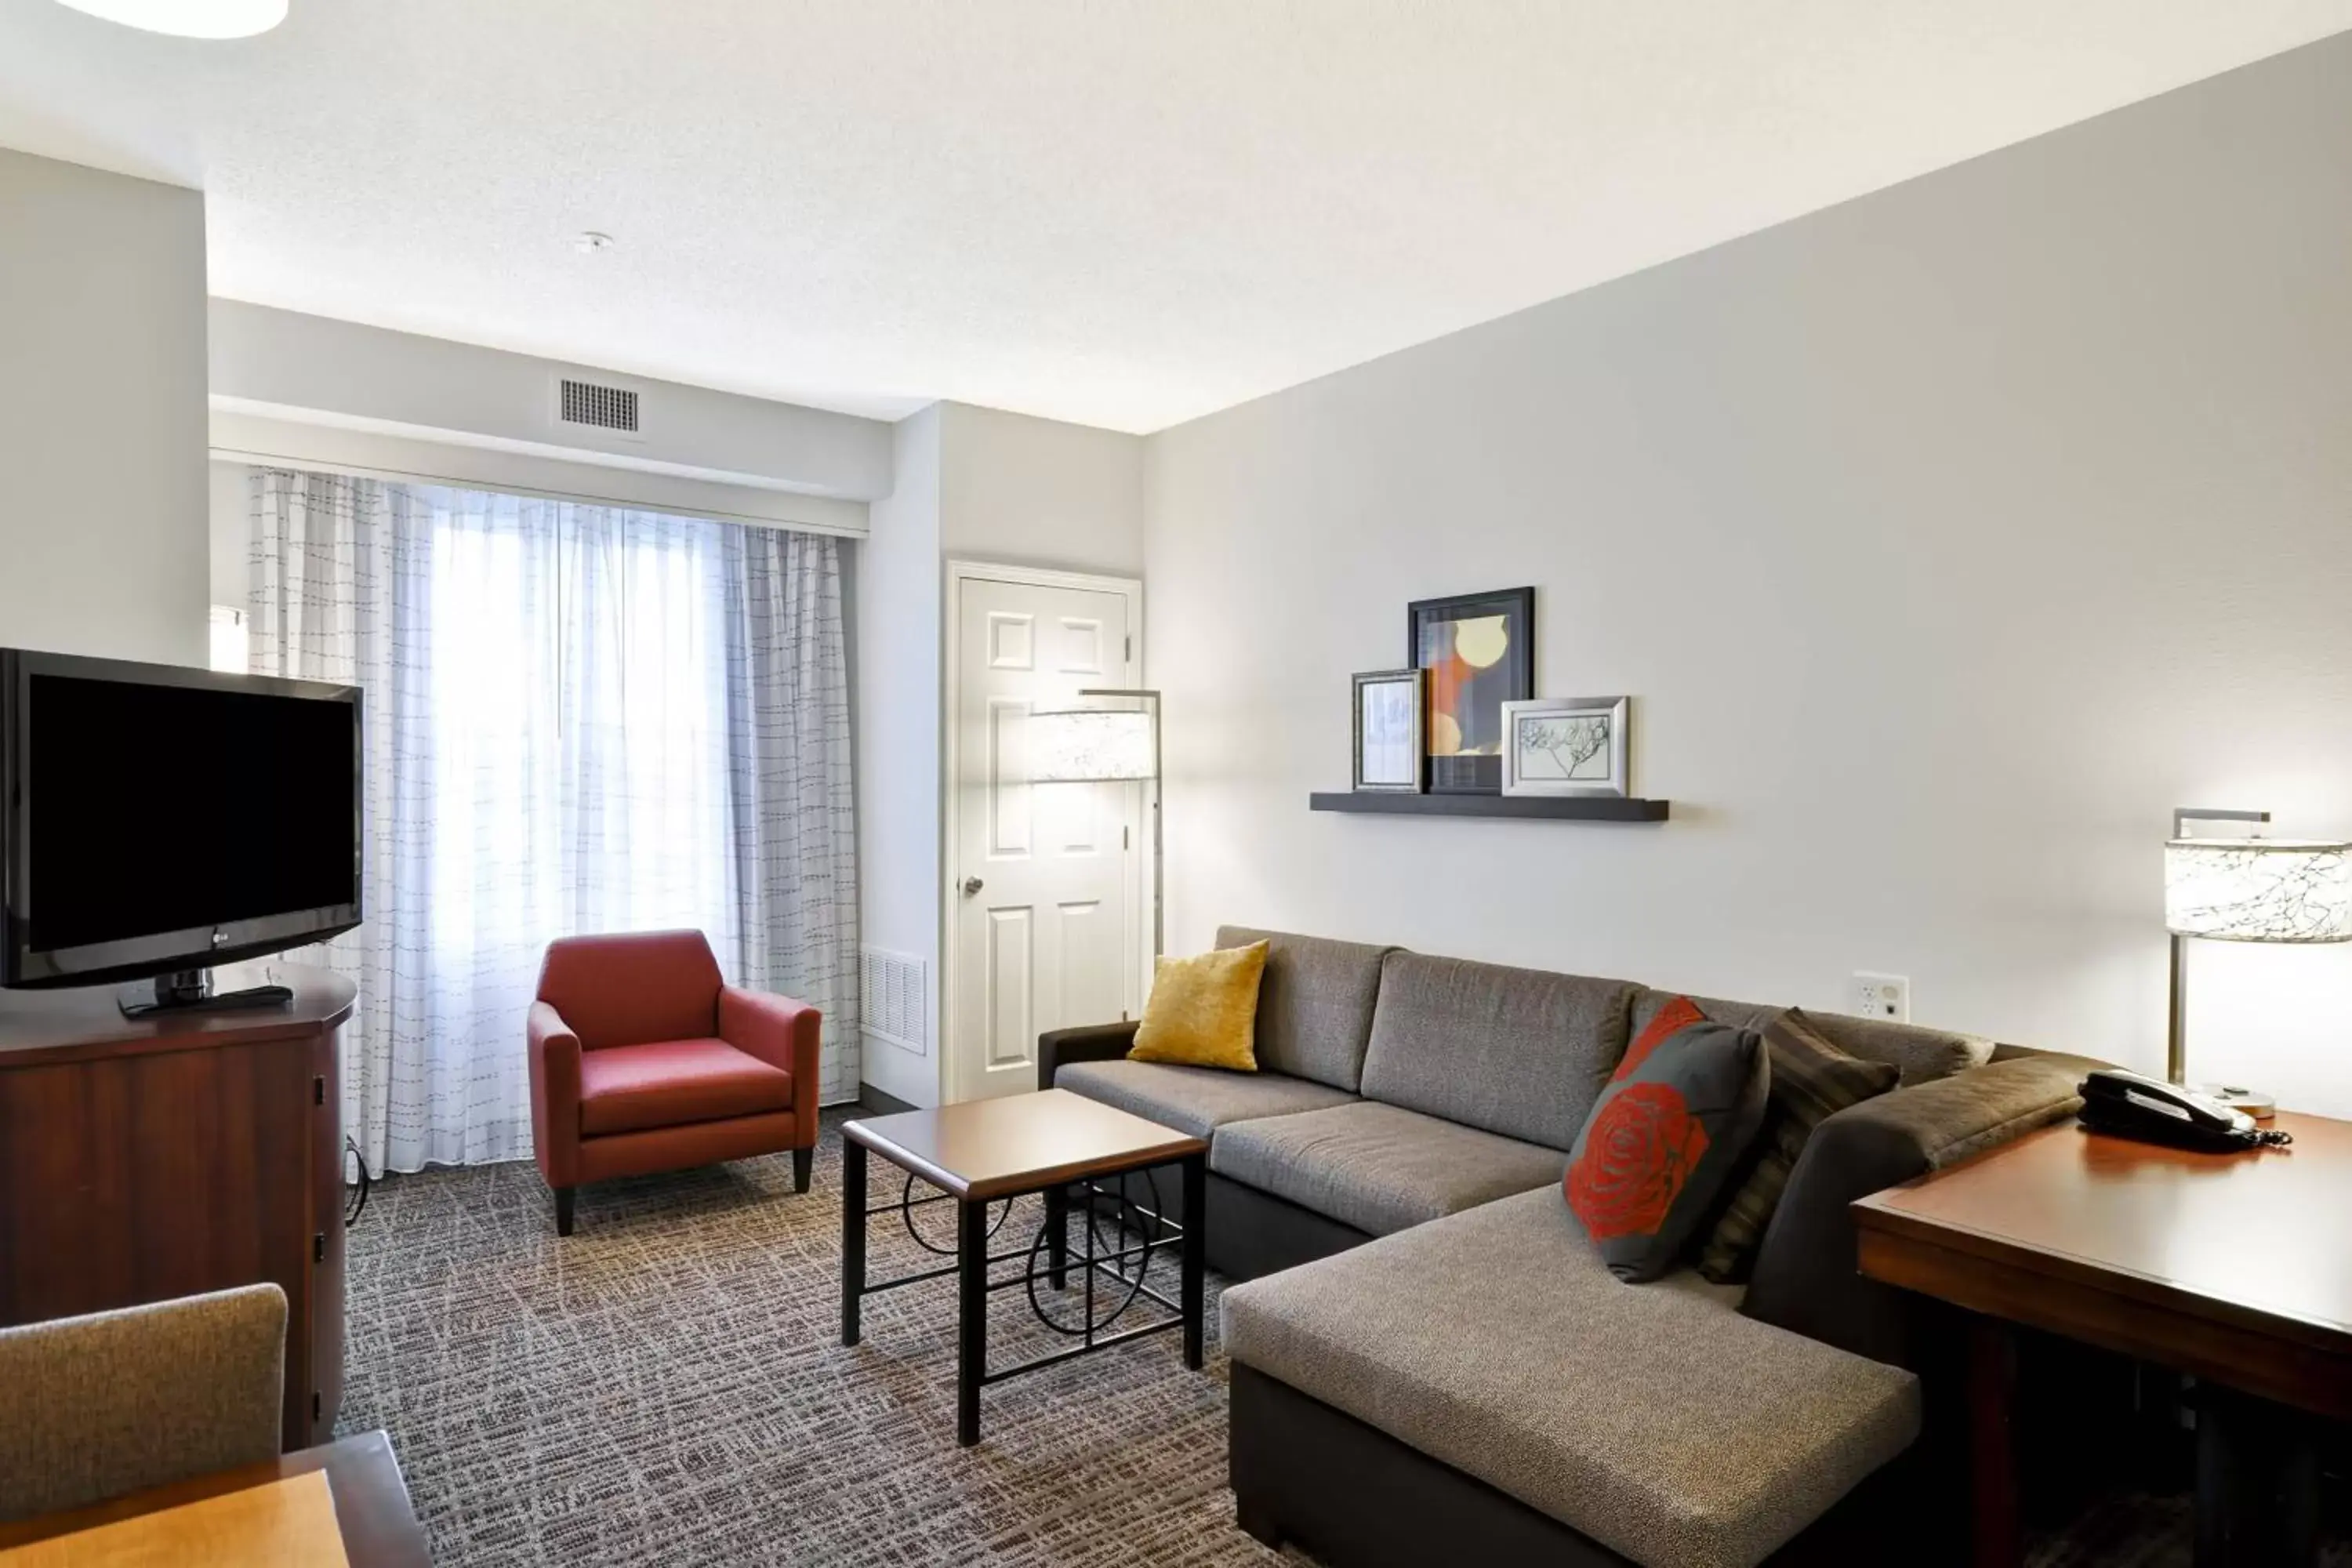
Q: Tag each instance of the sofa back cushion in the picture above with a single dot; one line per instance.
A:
(1920, 1055)
(1521, 1052)
(1314, 1003)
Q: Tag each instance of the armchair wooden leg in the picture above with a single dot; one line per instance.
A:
(564, 1211)
(802, 1160)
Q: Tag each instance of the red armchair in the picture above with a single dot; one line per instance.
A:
(642, 1059)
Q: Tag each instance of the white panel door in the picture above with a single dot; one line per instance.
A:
(1046, 897)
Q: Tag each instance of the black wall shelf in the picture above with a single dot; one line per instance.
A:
(1545, 807)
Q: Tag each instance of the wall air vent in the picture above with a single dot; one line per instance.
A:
(892, 1001)
(597, 407)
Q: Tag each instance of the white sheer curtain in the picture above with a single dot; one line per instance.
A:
(577, 718)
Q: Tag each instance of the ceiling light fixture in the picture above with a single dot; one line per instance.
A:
(590, 242)
(189, 18)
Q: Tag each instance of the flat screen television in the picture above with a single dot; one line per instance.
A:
(157, 821)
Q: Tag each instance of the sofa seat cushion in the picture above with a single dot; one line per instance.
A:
(1653, 1418)
(1197, 1100)
(1380, 1167)
(627, 1088)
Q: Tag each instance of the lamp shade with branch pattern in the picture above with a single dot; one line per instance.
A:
(1090, 745)
(2259, 889)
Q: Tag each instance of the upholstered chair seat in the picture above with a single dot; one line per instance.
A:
(644, 1059)
(670, 1083)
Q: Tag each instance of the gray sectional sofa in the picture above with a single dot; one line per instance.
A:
(1430, 1363)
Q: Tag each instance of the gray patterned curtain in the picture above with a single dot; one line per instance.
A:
(788, 760)
(578, 718)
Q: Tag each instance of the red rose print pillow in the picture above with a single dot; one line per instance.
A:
(1665, 1137)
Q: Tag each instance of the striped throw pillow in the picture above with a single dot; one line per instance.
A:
(1812, 1081)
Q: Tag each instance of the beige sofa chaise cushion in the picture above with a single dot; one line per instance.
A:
(1653, 1418)
(1197, 1100)
(1380, 1168)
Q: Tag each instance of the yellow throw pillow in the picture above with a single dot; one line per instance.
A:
(1204, 1011)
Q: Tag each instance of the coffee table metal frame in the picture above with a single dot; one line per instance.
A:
(974, 1261)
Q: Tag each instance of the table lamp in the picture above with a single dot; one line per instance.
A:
(2245, 889)
(1104, 746)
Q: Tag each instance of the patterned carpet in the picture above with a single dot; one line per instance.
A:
(667, 1386)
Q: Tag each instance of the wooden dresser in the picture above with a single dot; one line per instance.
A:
(143, 1159)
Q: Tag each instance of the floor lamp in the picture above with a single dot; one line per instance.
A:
(1105, 745)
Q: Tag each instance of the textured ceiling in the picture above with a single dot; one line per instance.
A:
(1121, 212)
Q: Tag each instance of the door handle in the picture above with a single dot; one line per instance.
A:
(972, 886)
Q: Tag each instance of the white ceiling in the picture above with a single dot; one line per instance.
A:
(1121, 212)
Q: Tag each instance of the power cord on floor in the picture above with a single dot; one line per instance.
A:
(356, 1205)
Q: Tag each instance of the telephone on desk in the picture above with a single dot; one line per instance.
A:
(2132, 1105)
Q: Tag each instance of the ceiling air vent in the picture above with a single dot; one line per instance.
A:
(597, 407)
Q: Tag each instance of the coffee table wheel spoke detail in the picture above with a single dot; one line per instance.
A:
(908, 1203)
(1053, 1143)
(1152, 1224)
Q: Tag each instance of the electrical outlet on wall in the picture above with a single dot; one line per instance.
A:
(1886, 996)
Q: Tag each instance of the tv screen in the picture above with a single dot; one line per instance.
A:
(161, 819)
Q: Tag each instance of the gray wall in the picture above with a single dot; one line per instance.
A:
(896, 707)
(103, 532)
(1946, 540)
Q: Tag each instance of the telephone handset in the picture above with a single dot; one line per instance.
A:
(2131, 1105)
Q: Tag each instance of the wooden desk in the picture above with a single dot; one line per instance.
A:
(2234, 1267)
(379, 1527)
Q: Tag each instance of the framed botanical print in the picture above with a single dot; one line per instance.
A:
(1567, 745)
(1477, 652)
(1387, 728)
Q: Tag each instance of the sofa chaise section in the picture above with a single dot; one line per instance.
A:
(1654, 1421)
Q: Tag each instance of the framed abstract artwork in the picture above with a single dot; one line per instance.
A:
(1567, 745)
(1387, 728)
(1477, 652)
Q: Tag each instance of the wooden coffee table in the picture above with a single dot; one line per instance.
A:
(985, 1150)
(2233, 1268)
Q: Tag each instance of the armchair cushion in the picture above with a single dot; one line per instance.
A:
(628, 1089)
(630, 989)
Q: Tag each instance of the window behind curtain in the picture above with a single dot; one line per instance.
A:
(578, 719)
(579, 715)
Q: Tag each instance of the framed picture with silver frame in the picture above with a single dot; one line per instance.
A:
(1387, 730)
(1567, 745)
